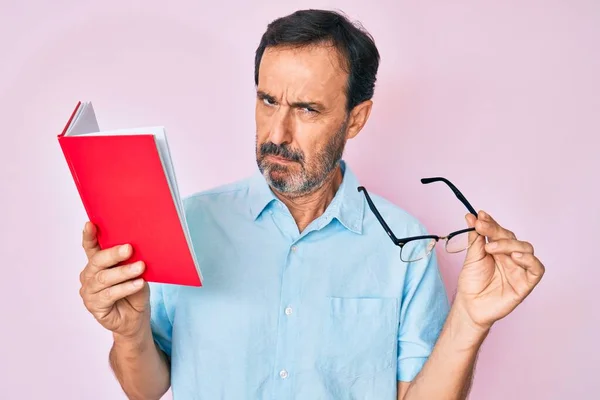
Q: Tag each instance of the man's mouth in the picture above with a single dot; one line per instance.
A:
(279, 159)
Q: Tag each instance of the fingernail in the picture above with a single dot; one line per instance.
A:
(123, 250)
(138, 282)
(492, 245)
(136, 267)
(517, 255)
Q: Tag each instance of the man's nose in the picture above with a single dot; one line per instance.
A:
(281, 126)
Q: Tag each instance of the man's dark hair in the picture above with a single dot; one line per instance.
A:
(315, 27)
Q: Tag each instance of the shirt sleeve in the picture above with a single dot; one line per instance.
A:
(160, 321)
(163, 300)
(423, 313)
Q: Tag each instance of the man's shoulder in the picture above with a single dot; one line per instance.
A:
(227, 194)
(202, 209)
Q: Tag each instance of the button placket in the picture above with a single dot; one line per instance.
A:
(287, 325)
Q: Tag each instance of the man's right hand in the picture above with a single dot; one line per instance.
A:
(115, 296)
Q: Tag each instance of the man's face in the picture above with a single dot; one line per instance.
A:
(301, 119)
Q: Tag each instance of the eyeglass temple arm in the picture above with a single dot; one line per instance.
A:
(377, 215)
(457, 192)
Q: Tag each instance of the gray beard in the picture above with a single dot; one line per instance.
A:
(307, 180)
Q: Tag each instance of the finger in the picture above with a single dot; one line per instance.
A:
(530, 263)
(89, 239)
(108, 258)
(107, 297)
(487, 226)
(114, 276)
(507, 246)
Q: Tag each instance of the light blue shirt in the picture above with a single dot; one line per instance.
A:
(329, 313)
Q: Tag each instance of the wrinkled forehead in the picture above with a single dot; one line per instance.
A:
(314, 72)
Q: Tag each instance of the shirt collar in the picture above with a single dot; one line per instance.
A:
(347, 205)
(260, 194)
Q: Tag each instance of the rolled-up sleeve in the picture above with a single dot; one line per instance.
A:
(423, 313)
(160, 322)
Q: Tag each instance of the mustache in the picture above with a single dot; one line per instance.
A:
(282, 151)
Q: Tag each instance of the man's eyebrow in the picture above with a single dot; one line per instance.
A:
(308, 104)
(297, 104)
(263, 95)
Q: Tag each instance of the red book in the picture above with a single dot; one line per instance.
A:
(127, 185)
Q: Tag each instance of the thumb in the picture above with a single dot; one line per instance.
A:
(476, 250)
(471, 219)
(89, 239)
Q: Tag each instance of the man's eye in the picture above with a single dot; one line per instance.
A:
(309, 110)
(268, 102)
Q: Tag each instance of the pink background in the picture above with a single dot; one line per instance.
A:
(500, 97)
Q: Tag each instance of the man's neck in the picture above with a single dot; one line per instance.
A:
(306, 209)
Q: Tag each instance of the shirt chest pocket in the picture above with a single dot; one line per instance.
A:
(359, 336)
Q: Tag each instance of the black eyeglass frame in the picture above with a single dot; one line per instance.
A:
(403, 241)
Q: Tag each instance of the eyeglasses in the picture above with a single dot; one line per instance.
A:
(415, 248)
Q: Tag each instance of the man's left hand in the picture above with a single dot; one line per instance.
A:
(496, 276)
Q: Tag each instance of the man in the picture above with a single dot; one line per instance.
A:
(304, 295)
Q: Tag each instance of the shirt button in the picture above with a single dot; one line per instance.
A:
(283, 374)
(288, 311)
(294, 248)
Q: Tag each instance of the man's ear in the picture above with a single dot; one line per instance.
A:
(358, 118)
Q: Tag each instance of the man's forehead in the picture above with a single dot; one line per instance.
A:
(307, 70)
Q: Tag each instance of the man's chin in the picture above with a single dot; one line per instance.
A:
(278, 175)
